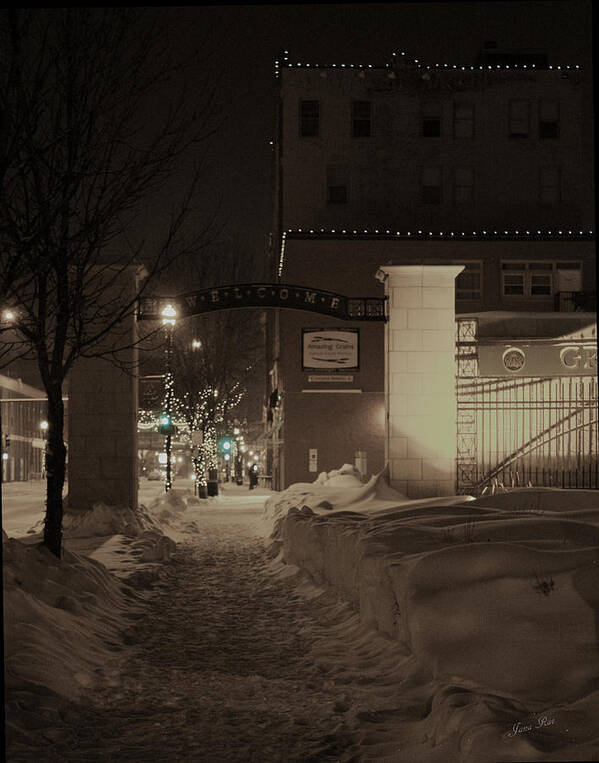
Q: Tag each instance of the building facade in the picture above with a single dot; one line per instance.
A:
(488, 167)
(22, 419)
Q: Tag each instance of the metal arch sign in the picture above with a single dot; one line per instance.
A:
(265, 295)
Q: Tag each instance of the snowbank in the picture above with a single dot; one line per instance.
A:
(498, 596)
(64, 621)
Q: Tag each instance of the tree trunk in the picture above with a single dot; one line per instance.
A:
(199, 465)
(55, 473)
(211, 458)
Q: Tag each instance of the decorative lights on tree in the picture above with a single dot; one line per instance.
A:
(168, 320)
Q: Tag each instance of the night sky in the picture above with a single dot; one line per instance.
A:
(243, 42)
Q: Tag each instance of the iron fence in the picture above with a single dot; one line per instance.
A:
(524, 431)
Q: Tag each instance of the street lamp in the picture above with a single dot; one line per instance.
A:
(44, 427)
(169, 315)
(196, 344)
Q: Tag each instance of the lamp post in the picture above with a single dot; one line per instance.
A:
(168, 321)
(44, 428)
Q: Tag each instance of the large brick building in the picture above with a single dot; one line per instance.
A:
(489, 166)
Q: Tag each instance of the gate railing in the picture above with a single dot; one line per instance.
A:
(540, 431)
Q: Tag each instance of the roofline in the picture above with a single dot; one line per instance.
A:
(402, 61)
(561, 234)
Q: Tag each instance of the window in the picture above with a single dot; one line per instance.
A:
(463, 120)
(548, 119)
(528, 279)
(337, 185)
(519, 118)
(431, 185)
(463, 186)
(468, 283)
(431, 120)
(540, 278)
(361, 119)
(309, 119)
(550, 185)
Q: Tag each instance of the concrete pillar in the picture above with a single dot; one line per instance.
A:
(420, 378)
(102, 423)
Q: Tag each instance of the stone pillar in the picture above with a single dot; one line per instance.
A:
(102, 424)
(420, 374)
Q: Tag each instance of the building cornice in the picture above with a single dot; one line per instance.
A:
(382, 234)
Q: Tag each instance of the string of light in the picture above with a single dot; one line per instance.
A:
(536, 234)
(403, 59)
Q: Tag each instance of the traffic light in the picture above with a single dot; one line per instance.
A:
(166, 425)
(225, 444)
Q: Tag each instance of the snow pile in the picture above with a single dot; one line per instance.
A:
(64, 619)
(337, 489)
(495, 597)
(102, 520)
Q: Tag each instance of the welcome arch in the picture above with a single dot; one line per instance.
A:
(275, 295)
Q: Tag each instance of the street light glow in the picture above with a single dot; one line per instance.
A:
(196, 344)
(44, 425)
(8, 315)
(168, 315)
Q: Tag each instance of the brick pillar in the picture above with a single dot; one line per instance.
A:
(420, 378)
(102, 425)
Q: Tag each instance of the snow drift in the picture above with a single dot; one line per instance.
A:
(496, 597)
(66, 619)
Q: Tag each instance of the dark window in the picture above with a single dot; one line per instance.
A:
(337, 185)
(550, 185)
(540, 284)
(309, 119)
(548, 119)
(468, 282)
(463, 120)
(527, 279)
(337, 194)
(431, 185)
(431, 127)
(361, 119)
(519, 118)
(513, 284)
(431, 120)
(463, 189)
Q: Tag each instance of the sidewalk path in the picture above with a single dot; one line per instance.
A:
(225, 663)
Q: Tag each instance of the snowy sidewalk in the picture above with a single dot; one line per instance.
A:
(229, 662)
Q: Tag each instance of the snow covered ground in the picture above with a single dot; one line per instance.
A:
(493, 604)
(332, 621)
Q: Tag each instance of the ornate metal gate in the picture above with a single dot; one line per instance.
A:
(522, 431)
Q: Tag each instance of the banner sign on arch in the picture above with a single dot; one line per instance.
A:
(266, 295)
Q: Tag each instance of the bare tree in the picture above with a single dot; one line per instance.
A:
(94, 125)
